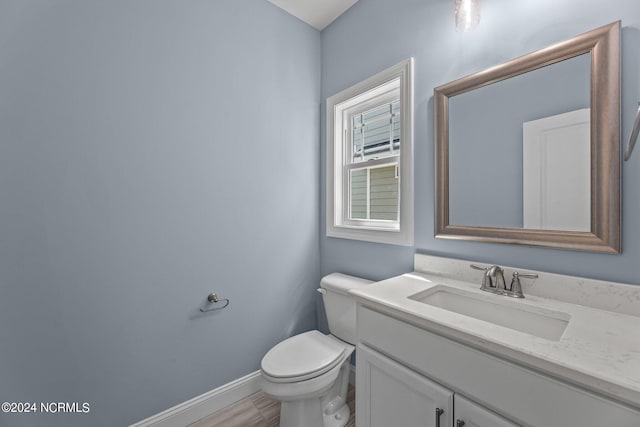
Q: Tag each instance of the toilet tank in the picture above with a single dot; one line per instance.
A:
(339, 306)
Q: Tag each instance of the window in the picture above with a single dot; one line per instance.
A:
(370, 159)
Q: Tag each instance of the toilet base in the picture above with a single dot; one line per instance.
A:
(305, 412)
(328, 410)
(339, 418)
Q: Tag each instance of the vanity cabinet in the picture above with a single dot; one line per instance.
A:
(390, 394)
(406, 371)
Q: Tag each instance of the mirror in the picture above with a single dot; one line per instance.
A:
(528, 152)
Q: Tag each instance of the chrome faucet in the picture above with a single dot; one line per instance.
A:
(493, 281)
(496, 276)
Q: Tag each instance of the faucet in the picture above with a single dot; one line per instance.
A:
(496, 276)
(493, 281)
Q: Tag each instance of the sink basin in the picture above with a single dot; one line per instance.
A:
(495, 309)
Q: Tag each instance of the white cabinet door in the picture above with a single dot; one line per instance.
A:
(391, 395)
(469, 414)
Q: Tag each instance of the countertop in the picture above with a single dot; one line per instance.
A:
(599, 350)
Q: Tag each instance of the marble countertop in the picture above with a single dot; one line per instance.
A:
(599, 349)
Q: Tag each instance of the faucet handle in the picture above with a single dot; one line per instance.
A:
(526, 275)
(478, 267)
(515, 290)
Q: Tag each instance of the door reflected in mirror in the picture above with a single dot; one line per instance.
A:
(556, 172)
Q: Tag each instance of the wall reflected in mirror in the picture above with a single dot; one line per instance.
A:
(519, 150)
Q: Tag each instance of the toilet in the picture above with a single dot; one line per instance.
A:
(309, 373)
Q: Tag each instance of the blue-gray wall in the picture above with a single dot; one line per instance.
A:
(425, 30)
(147, 150)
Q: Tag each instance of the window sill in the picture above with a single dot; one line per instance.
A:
(392, 236)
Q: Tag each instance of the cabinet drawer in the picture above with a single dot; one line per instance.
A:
(521, 394)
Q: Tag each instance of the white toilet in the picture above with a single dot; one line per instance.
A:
(309, 373)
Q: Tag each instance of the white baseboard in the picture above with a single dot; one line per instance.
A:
(206, 404)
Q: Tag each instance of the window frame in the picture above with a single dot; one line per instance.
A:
(340, 107)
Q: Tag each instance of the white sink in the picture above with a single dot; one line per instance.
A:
(495, 309)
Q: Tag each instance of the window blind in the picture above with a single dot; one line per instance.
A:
(376, 133)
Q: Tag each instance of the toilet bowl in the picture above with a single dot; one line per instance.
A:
(309, 373)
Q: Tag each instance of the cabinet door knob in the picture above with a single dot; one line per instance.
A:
(459, 423)
(439, 412)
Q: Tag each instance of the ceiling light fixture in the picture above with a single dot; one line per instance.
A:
(467, 14)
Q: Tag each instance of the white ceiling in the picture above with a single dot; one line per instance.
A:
(317, 13)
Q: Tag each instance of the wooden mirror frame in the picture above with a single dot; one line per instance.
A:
(604, 46)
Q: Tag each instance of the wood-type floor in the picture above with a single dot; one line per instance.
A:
(260, 410)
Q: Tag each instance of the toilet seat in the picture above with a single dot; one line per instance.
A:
(302, 357)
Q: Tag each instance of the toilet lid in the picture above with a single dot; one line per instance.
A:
(301, 355)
